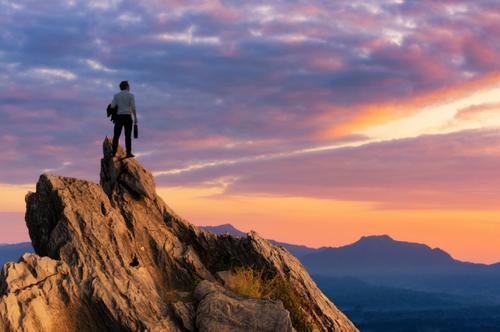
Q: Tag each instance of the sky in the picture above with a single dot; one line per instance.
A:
(312, 122)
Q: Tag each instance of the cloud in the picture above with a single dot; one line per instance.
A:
(227, 80)
(54, 73)
(189, 37)
(98, 66)
(477, 110)
(457, 170)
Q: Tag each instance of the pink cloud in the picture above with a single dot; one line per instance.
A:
(474, 110)
(456, 171)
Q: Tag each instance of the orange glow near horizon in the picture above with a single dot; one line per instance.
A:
(468, 235)
(12, 197)
(379, 114)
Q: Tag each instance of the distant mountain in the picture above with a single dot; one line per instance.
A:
(297, 250)
(224, 229)
(380, 253)
(381, 260)
(12, 252)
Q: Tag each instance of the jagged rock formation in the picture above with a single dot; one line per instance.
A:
(114, 257)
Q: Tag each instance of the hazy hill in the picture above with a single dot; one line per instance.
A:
(380, 254)
(12, 252)
(384, 261)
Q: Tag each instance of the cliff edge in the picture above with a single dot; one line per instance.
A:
(114, 257)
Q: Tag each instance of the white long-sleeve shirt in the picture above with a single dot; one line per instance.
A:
(126, 103)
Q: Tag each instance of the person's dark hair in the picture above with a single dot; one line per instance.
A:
(124, 85)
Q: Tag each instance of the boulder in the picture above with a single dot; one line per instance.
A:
(221, 310)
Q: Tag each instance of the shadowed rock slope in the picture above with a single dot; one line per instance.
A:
(114, 257)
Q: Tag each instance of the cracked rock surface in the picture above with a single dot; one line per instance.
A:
(114, 257)
(223, 311)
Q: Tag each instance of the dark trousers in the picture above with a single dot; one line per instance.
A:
(123, 120)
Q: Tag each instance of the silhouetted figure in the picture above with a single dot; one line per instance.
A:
(125, 103)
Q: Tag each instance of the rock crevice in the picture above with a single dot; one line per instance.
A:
(114, 257)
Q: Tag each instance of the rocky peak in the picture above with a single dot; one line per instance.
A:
(114, 257)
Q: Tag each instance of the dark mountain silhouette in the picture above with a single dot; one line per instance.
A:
(224, 229)
(380, 253)
(297, 250)
(12, 252)
(383, 261)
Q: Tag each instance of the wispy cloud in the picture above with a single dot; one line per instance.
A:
(189, 37)
(53, 73)
(220, 84)
(412, 173)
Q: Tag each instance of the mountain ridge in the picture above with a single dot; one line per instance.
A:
(11, 252)
(371, 242)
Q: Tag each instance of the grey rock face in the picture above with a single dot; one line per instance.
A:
(114, 257)
(220, 310)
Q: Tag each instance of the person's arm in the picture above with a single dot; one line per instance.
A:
(132, 106)
(113, 102)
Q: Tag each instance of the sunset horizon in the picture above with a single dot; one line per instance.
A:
(269, 116)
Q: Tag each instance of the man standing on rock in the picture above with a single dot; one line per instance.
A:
(125, 101)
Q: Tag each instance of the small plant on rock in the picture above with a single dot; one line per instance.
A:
(248, 282)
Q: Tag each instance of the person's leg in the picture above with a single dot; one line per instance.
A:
(128, 134)
(117, 132)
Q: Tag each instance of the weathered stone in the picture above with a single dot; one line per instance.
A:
(115, 257)
(185, 312)
(221, 310)
(30, 271)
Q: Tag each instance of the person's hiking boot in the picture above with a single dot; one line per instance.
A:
(130, 155)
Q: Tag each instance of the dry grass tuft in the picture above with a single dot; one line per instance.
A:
(251, 283)
(246, 281)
